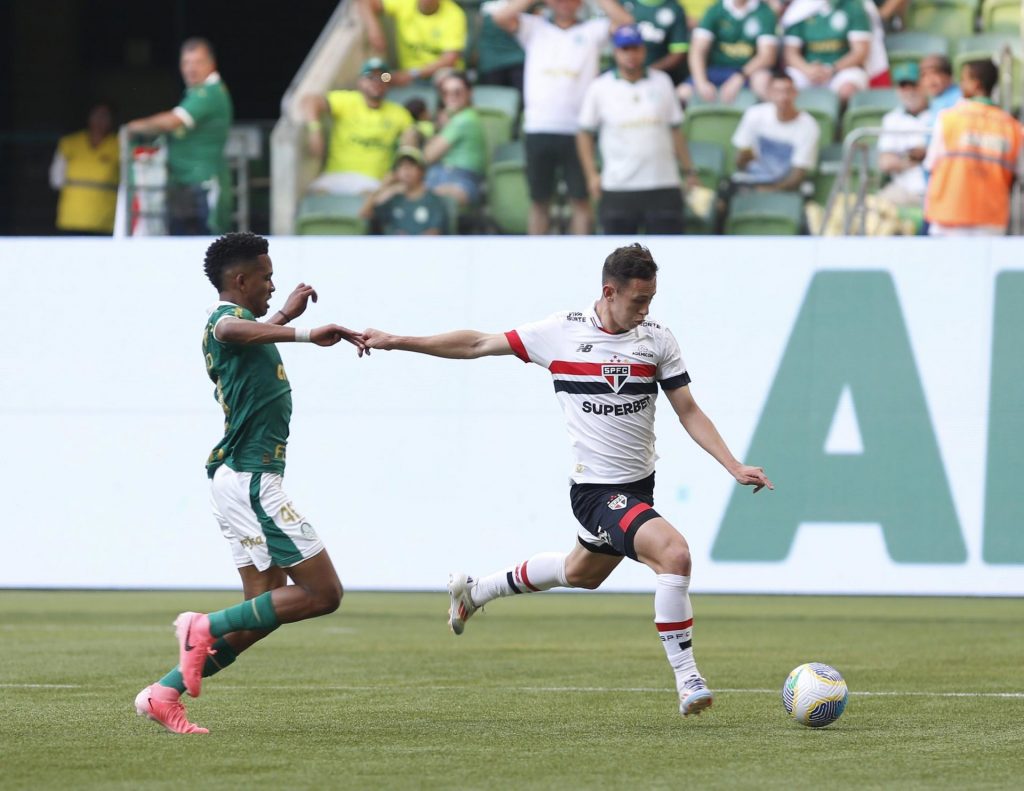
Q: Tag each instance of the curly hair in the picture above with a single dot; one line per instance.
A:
(626, 263)
(231, 249)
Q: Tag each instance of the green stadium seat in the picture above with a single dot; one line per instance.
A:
(502, 98)
(823, 104)
(951, 19)
(513, 151)
(744, 99)
(866, 108)
(912, 45)
(331, 215)
(508, 197)
(452, 213)
(403, 93)
(1000, 16)
(709, 160)
(830, 162)
(497, 128)
(765, 214)
(713, 123)
(985, 46)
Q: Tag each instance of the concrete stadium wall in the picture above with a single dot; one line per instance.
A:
(880, 382)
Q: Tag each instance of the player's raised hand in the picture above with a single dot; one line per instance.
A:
(330, 334)
(296, 303)
(753, 476)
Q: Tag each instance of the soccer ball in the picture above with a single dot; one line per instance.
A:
(814, 694)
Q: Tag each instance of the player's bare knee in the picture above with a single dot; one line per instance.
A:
(676, 558)
(329, 599)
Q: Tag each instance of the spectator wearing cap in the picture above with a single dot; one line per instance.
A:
(430, 36)
(662, 23)
(403, 205)
(776, 143)
(938, 85)
(973, 158)
(457, 155)
(562, 59)
(632, 110)
(365, 129)
(733, 46)
(901, 151)
(827, 43)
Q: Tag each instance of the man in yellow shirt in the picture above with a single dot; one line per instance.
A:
(86, 169)
(365, 129)
(430, 35)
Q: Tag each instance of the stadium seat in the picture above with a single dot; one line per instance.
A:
(403, 93)
(513, 151)
(497, 128)
(823, 104)
(330, 215)
(1000, 16)
(713, 123)
(452, 214)
(951, 19)
(912, 45)
(830, 162)
(765, 214)
(709, 160)
(866, 108)
(502, 98)
(744, 99)
(985, 46)
(508, 198)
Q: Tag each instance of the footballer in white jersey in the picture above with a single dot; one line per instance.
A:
(608, 364)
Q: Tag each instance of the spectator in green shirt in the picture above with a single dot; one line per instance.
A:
(457, 155)
(403, 205)
(197, 130)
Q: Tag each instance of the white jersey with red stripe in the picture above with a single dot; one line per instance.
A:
(607, 384)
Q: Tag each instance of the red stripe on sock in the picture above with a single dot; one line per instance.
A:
(526, 580)
(631, 514)
(677, 626)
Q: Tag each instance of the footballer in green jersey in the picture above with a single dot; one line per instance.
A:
(270, 539)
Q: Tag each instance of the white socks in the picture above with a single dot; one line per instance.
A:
(540, 573)
(673, 615)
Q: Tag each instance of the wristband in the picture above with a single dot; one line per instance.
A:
(302, 335)
(287, 318)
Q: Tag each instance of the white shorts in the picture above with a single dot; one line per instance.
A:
(855, 75)
(259, 521)
(344, 183)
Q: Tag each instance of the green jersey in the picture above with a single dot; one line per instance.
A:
(255, 395)
(825, 37)
(736, 31)
(400, 215)
(662, 23)
(196, 148)
(467, 148)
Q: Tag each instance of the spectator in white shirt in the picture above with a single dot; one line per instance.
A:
(562, 59)
(776, 144)
(900, 155)
(634, 113)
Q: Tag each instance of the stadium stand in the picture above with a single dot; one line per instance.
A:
(765, 214)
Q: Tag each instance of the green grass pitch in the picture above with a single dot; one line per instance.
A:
(541, 692)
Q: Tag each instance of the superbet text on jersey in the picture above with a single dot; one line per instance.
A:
(607, 384)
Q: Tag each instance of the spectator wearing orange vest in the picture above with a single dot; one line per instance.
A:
(973, 159)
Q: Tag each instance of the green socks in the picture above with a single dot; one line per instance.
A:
(255, 613)
(225, 656)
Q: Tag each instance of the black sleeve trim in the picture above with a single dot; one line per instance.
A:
(675, 382)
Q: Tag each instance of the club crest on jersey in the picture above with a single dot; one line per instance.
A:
(618, 502)
(615, 374)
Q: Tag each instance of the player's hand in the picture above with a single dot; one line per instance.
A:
(753, 476)
(378, 339)
(330, 334)
(296, 303)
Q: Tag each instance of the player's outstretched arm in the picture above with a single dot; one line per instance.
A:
(703, 431)
(458, 345)
(295, 305)
(245, 332)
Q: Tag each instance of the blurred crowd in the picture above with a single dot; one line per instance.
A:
(641, 116)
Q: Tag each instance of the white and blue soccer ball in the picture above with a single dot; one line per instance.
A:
(815, 694)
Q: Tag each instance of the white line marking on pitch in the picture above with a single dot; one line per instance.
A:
(40, 686)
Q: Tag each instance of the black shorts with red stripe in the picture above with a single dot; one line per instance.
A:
(612, 513)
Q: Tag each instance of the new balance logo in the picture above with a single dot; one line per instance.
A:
(584, 347)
